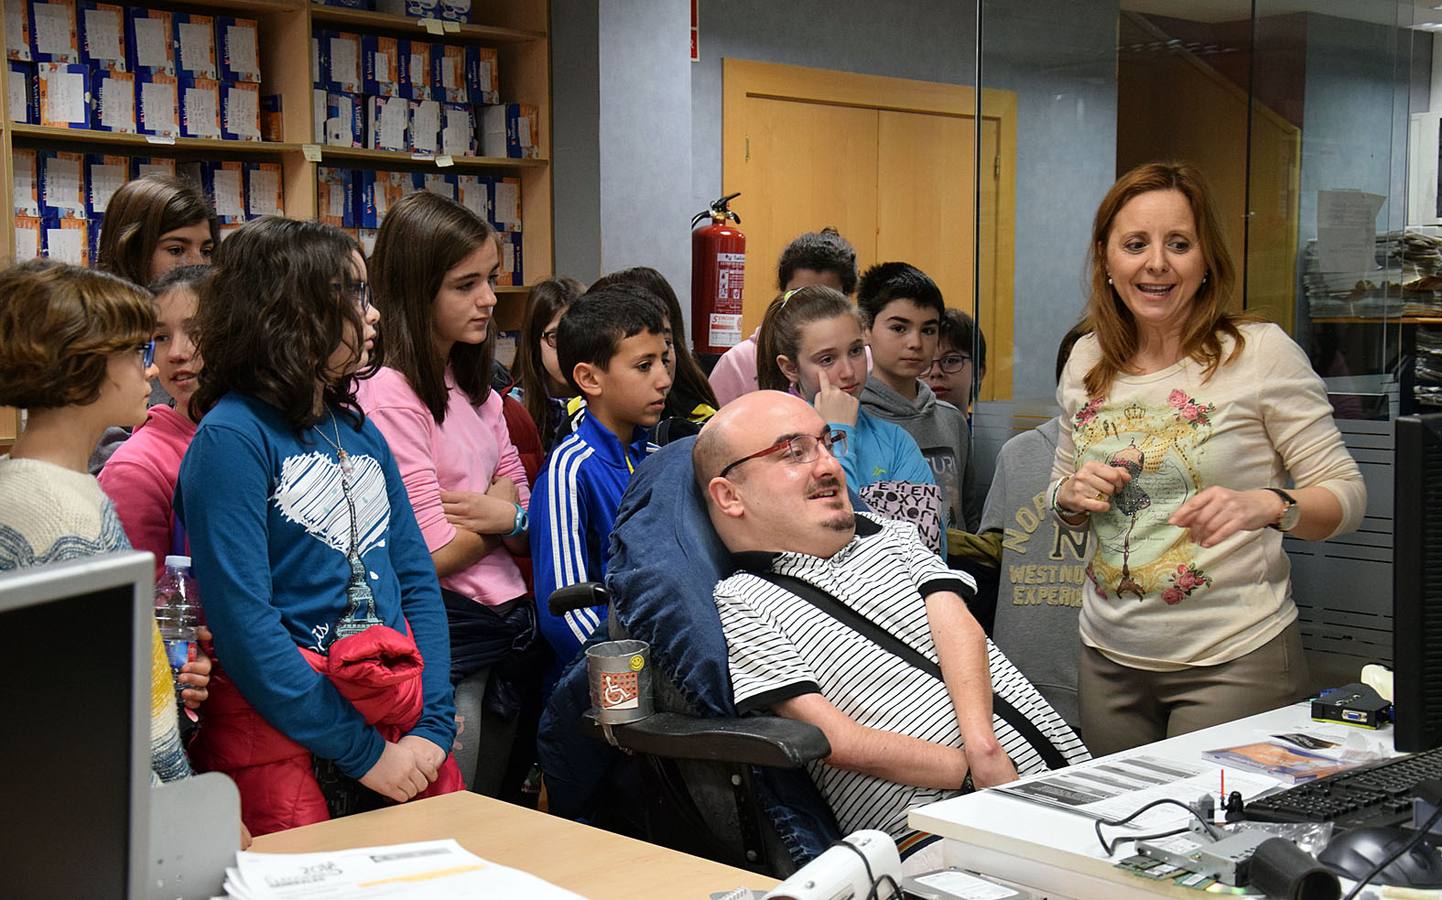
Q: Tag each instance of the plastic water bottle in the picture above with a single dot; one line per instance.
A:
(177, 612)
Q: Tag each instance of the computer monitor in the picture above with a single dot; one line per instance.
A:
(75, 641)
(1417, 583)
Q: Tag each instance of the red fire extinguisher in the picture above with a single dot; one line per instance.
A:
(718, 275)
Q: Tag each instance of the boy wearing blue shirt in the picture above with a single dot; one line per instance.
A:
(612, 348)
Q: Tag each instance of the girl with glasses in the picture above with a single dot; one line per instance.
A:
(332, 695)
(73, 354)
(544, 390)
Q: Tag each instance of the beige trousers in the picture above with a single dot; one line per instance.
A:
(1122, 707)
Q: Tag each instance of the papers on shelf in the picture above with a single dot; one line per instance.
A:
(428, 869)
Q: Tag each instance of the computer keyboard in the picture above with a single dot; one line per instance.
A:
(1378, 794)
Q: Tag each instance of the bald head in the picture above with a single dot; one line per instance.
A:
(749, 423)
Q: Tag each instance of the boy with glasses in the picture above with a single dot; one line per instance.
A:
(950, 375)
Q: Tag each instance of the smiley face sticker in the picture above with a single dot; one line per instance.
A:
(638, 662)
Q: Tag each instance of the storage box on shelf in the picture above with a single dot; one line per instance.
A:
(126, 83)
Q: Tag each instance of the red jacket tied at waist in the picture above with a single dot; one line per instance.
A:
(378, 671)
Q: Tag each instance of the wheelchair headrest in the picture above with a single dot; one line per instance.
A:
(665, 560)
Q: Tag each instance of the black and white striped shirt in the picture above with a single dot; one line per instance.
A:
(781, 646)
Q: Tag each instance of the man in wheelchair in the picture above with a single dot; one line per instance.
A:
(847, 621)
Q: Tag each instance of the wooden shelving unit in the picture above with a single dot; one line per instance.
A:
(517, 29)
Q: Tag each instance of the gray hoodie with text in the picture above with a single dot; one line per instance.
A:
(940, 430)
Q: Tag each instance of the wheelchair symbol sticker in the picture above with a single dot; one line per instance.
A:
(638, 662)
(619, 690)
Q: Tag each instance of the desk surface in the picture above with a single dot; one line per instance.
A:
(1057, 851)
(589, 861)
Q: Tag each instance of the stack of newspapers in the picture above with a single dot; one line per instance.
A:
(429, 870)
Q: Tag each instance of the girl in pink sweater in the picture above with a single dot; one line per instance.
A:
(433, 274)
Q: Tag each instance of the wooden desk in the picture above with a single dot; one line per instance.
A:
(589, 861)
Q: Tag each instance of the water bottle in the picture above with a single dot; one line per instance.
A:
(177, 612)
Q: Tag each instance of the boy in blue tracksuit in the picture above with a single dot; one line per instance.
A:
(612, 348)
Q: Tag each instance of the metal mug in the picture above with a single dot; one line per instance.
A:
(620, 679)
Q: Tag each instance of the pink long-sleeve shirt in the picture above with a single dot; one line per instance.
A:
(140, 479)
(464, 453)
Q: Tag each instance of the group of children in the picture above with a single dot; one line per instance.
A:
(376, 511)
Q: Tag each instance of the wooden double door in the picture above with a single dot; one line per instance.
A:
(891, 164)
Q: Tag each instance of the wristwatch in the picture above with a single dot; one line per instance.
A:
(523, 521)
(1290, 513)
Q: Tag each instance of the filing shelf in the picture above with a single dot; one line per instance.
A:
(517, 29)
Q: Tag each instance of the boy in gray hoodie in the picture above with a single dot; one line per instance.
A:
(902, 308)
(1042, 565)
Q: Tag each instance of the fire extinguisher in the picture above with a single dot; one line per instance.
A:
(718, 275)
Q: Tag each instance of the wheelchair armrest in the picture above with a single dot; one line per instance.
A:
(770, 741)
(581, 595)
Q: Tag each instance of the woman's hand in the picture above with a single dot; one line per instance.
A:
(480, 513)
(989, 764)
(1217, 513)
(503, 488)
(195, 674)
(1092, 487)
(834, 404)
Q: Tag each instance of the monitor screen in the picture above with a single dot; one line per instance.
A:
(75, 642)
(1417, 583)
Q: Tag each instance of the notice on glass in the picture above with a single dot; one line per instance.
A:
(1347, 230)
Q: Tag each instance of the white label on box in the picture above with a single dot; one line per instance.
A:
(154, 168)
(243, 113)
(240, 49)
(473, 195)
(344, 64)
(450, 73)
(19, 98)
(383, 66)
(486, 76)
(523, 131)
(66, 244)
(229, 199)
(15, 28)
(64, 97)
(508, 203)
(393, 124)
(105, 180)
(265, 193)
(419, 69)
(202, 112)
(196, 52)
(337, 200)
(508, 257)
(27, 243)
(117, 103)
(157, 107)
(62, 185)
(437, 184)
(52, 29)
(25, 203)
(151, 43)
(102, 34)
(459, 131)
(426, 124)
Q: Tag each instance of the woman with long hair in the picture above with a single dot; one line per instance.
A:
(332, 695)
(433, 275)
(1182, 424)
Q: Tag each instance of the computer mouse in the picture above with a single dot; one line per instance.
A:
(1352, 854)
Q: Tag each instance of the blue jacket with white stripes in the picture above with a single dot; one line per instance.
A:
(573, 508)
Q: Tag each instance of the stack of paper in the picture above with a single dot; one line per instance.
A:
(429, 869)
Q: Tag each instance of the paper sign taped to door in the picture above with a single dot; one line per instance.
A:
(1347, 230)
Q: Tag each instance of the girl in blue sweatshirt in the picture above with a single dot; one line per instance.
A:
(302, 536)
(811, 344)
